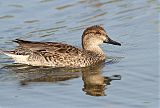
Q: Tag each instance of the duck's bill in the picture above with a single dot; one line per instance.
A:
(110, 41)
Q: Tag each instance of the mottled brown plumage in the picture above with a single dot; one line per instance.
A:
(63, 55)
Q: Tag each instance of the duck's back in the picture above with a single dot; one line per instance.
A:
(52, 54)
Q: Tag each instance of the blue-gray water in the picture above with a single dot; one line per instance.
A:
(133, 23)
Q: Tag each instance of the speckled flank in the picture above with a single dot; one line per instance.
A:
(62, 55)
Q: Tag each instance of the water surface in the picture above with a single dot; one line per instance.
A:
(130, 80)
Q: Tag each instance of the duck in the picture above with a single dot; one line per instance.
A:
(57, 54)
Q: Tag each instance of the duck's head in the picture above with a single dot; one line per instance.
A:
(94, 36)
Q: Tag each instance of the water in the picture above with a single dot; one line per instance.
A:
(130, 80)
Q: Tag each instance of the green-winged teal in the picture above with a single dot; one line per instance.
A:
(63, 55)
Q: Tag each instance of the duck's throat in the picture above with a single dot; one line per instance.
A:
(95, 49)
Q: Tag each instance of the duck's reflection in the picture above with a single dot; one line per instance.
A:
(95, 83)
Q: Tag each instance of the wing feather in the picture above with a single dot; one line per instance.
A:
(26, 47)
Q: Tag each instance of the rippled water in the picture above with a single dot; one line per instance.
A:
(130, 80)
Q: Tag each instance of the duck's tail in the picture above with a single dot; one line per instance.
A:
(15, 57)
(20, 41)
(6, 52)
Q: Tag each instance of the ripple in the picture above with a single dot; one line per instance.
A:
(44, 32)
(129, 10)
(64, 7)
(44, 1)
(99, 15)
(49, 29)
(31, 21)
(98, 4)
(113, 60)
(6, 17)
(16, 5)
(59, 22)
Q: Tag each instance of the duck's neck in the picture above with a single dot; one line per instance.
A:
(93, 48)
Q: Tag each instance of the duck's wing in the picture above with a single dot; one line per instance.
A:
(32, 45)
(26, 47)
